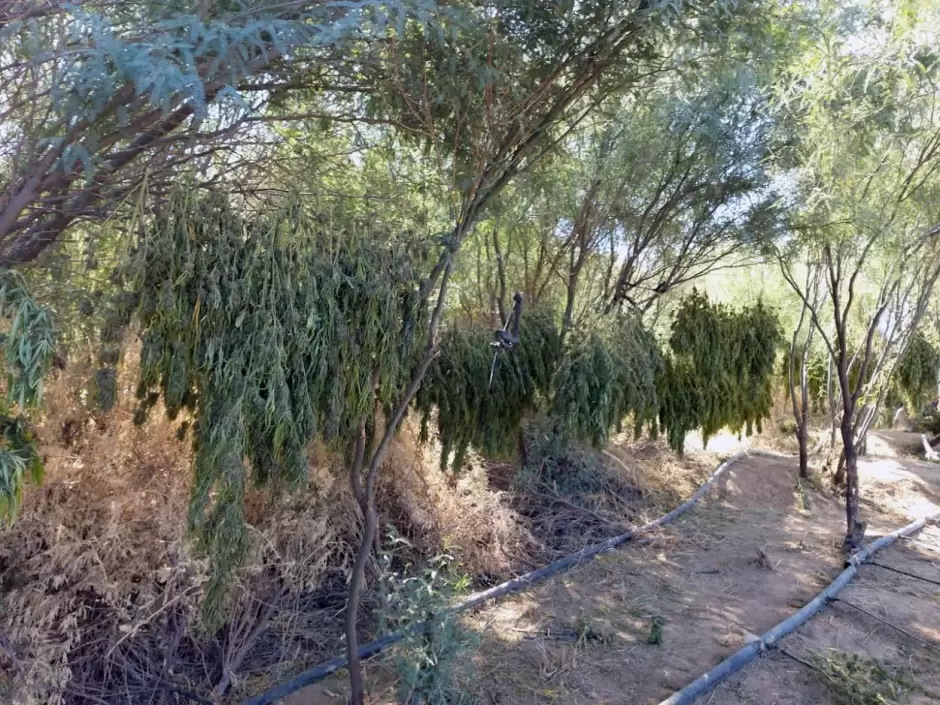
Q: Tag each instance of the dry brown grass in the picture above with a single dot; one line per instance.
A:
(460, 514)
(101, 587)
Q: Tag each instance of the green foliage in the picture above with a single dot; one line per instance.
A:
(432, 659)
(19, 458)
(270, 332)
(918, 369)
(655, 637)
(30, 346)
(473, 412)
(30, 342)
(817, 372)
(606, 375)
(856, 680)
(112, 78)
(720, 370)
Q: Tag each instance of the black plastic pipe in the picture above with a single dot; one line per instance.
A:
(706, 683)
(523, 582)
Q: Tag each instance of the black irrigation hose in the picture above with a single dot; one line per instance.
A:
(912, 637)
(744, 655)
(904, 572)
(323, 670)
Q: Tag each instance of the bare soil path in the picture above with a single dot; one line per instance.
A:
(754, 550)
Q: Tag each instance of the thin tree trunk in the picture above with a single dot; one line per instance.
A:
(838, 475)
(357, 578)
(352, 605)
(833, 414)
(803, 441)
(803, 422)
(855, 529)
(367, 489)
(799, 408)
(572, 290)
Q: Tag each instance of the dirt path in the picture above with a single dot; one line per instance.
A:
(753, 552)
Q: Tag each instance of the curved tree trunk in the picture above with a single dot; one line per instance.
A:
(357, 691)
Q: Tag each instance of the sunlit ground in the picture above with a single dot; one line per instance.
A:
(899, 488)
(724, 442)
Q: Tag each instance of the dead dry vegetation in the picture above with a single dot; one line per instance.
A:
(101, 588)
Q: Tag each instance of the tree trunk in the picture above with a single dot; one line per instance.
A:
(356, 580)
(838, 476)
(366, 490)
(802, 440)
(855, 529)
(572, 288)
(803, 421)
(801, 406)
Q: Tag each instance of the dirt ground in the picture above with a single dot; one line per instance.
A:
(751, 553)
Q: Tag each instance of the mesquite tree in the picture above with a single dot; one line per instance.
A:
(584, 228)
(868, 144)
(488, 92)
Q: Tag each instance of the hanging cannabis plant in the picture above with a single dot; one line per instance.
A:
(607, 374)
(817, 374)
(474, 410)
(720, 370)
(30, 347)
(270, 332)
(917, 376)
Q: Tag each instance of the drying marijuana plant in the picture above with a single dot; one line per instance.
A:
(474, 410)
(30, 346)
(606, 375)
(271, 331)
(719, 372)
(917, 373)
